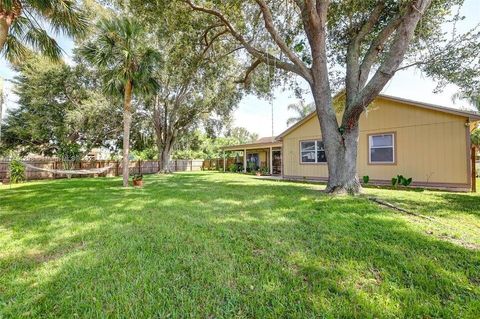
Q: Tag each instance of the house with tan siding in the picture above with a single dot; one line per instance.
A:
(429, 143)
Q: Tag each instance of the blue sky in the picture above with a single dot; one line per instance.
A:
(255, 114)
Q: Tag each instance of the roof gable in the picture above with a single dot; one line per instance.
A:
(473, 116)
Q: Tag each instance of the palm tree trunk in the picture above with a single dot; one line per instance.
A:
(127, 121)
(3, 31)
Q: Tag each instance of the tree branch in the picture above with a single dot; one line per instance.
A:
(257, 53)
(269, 25)
(251, 68)
(410, 65)
(352, 79)
(403, 35)
(375, 48)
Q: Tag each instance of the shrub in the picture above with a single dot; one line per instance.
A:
(400, 180)
(264, 171)
(366, 179)
(251, 167)
(17, 172)
(406, 181)
(137, 177)
(394, 181)
(233, 168)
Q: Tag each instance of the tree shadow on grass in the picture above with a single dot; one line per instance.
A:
(205, 245)
(441, 204)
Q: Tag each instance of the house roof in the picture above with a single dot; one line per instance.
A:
(473, 116)
(267, 139)
(261, 142)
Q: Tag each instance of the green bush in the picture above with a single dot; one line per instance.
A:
(234, 168)
(251, 167)
(264, 171)
(16, 172)
(400, 180)
(366, 179)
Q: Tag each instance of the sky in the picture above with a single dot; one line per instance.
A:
(256, 114)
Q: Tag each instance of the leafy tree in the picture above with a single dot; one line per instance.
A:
(196, 79)
(198, 144)
(301, 109)
(119, 49)
(471, 98)
(240, 135)
(362, 41)
(61, 111)
(475, 137)
(20, 28)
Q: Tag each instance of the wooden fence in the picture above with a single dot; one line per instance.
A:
(135, 167)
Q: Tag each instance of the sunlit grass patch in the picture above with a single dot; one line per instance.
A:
(228, 245)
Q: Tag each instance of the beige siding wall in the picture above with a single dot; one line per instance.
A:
(430, 145)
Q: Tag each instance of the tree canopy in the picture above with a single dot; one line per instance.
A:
(196, 79)
(60, 108)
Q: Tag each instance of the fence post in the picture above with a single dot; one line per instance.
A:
(474, 169)
(175, 165)
(139, 166)
(116, 168)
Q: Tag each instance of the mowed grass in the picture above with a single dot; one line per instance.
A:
(214, 245)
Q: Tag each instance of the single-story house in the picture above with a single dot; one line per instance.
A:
(427, 142)
(264, 152)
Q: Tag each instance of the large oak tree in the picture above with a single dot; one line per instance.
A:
(196, 79)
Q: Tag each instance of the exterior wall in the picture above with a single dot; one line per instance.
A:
(431, 146)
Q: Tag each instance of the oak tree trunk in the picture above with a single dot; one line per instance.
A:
(165, 161)
(127, 120)
(164, 154)
(340, 147)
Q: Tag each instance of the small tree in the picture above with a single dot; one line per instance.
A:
(16, 172)
(119, 49)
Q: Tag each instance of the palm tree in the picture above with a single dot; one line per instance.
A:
(21, 26)
(472, 99)
(301, 109)
(127, 66)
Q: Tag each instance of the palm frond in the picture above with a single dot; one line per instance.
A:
(27, 30)
(118, 49)
(14, 51)
(64, 16)
(39, 40)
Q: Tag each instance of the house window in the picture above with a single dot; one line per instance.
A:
(312, 152)
(381, 148)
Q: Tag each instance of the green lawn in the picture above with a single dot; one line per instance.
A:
(213, 245)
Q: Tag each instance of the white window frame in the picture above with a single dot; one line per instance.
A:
(316, 150)
(370, 147)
